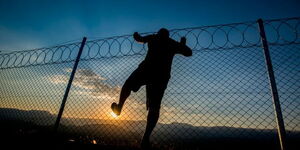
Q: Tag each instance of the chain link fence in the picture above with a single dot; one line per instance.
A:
(220, 94)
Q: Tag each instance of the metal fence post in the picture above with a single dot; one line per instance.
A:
(56, 125)
(276, 103)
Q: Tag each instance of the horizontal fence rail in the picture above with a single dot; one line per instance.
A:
(222, 92)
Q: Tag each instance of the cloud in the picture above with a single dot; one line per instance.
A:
(90, 82)
(95, 95)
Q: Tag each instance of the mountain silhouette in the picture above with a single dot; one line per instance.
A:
(130, 131)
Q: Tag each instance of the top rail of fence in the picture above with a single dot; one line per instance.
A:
(216, 37)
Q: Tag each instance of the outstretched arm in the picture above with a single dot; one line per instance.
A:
(141, 39)
(183, 49)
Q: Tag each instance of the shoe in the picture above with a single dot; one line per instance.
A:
(116, 108)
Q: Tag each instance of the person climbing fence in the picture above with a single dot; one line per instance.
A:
(154, 73)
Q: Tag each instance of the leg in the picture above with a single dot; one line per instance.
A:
(125, 92)
(152, 119)
(154, 94)
(133, 83)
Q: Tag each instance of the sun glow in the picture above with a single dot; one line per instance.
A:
(113, 115)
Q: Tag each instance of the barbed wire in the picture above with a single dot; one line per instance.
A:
(218, 37)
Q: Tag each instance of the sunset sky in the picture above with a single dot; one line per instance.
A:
(212, 88)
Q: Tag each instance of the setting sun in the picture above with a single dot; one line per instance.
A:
(114, 115)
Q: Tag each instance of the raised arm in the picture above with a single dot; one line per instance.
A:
(182, 48)
(141, 39)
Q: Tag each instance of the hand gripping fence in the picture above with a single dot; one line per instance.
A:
(240, 86)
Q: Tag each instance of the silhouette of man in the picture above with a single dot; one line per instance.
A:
(154, 72)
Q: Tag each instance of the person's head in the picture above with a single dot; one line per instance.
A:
(163, 33)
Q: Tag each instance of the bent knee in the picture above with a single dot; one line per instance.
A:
(130, 87)
(127, 87)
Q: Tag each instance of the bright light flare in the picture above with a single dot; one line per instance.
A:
(113, 115)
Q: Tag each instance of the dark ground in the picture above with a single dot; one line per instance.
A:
(16, 135)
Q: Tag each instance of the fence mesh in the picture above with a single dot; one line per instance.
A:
(27, 90)
(283, 36)
(221, 92)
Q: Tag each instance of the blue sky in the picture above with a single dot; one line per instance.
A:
(38, 23)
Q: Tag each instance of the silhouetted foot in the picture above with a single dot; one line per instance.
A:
(116, 108)
(145, 144)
